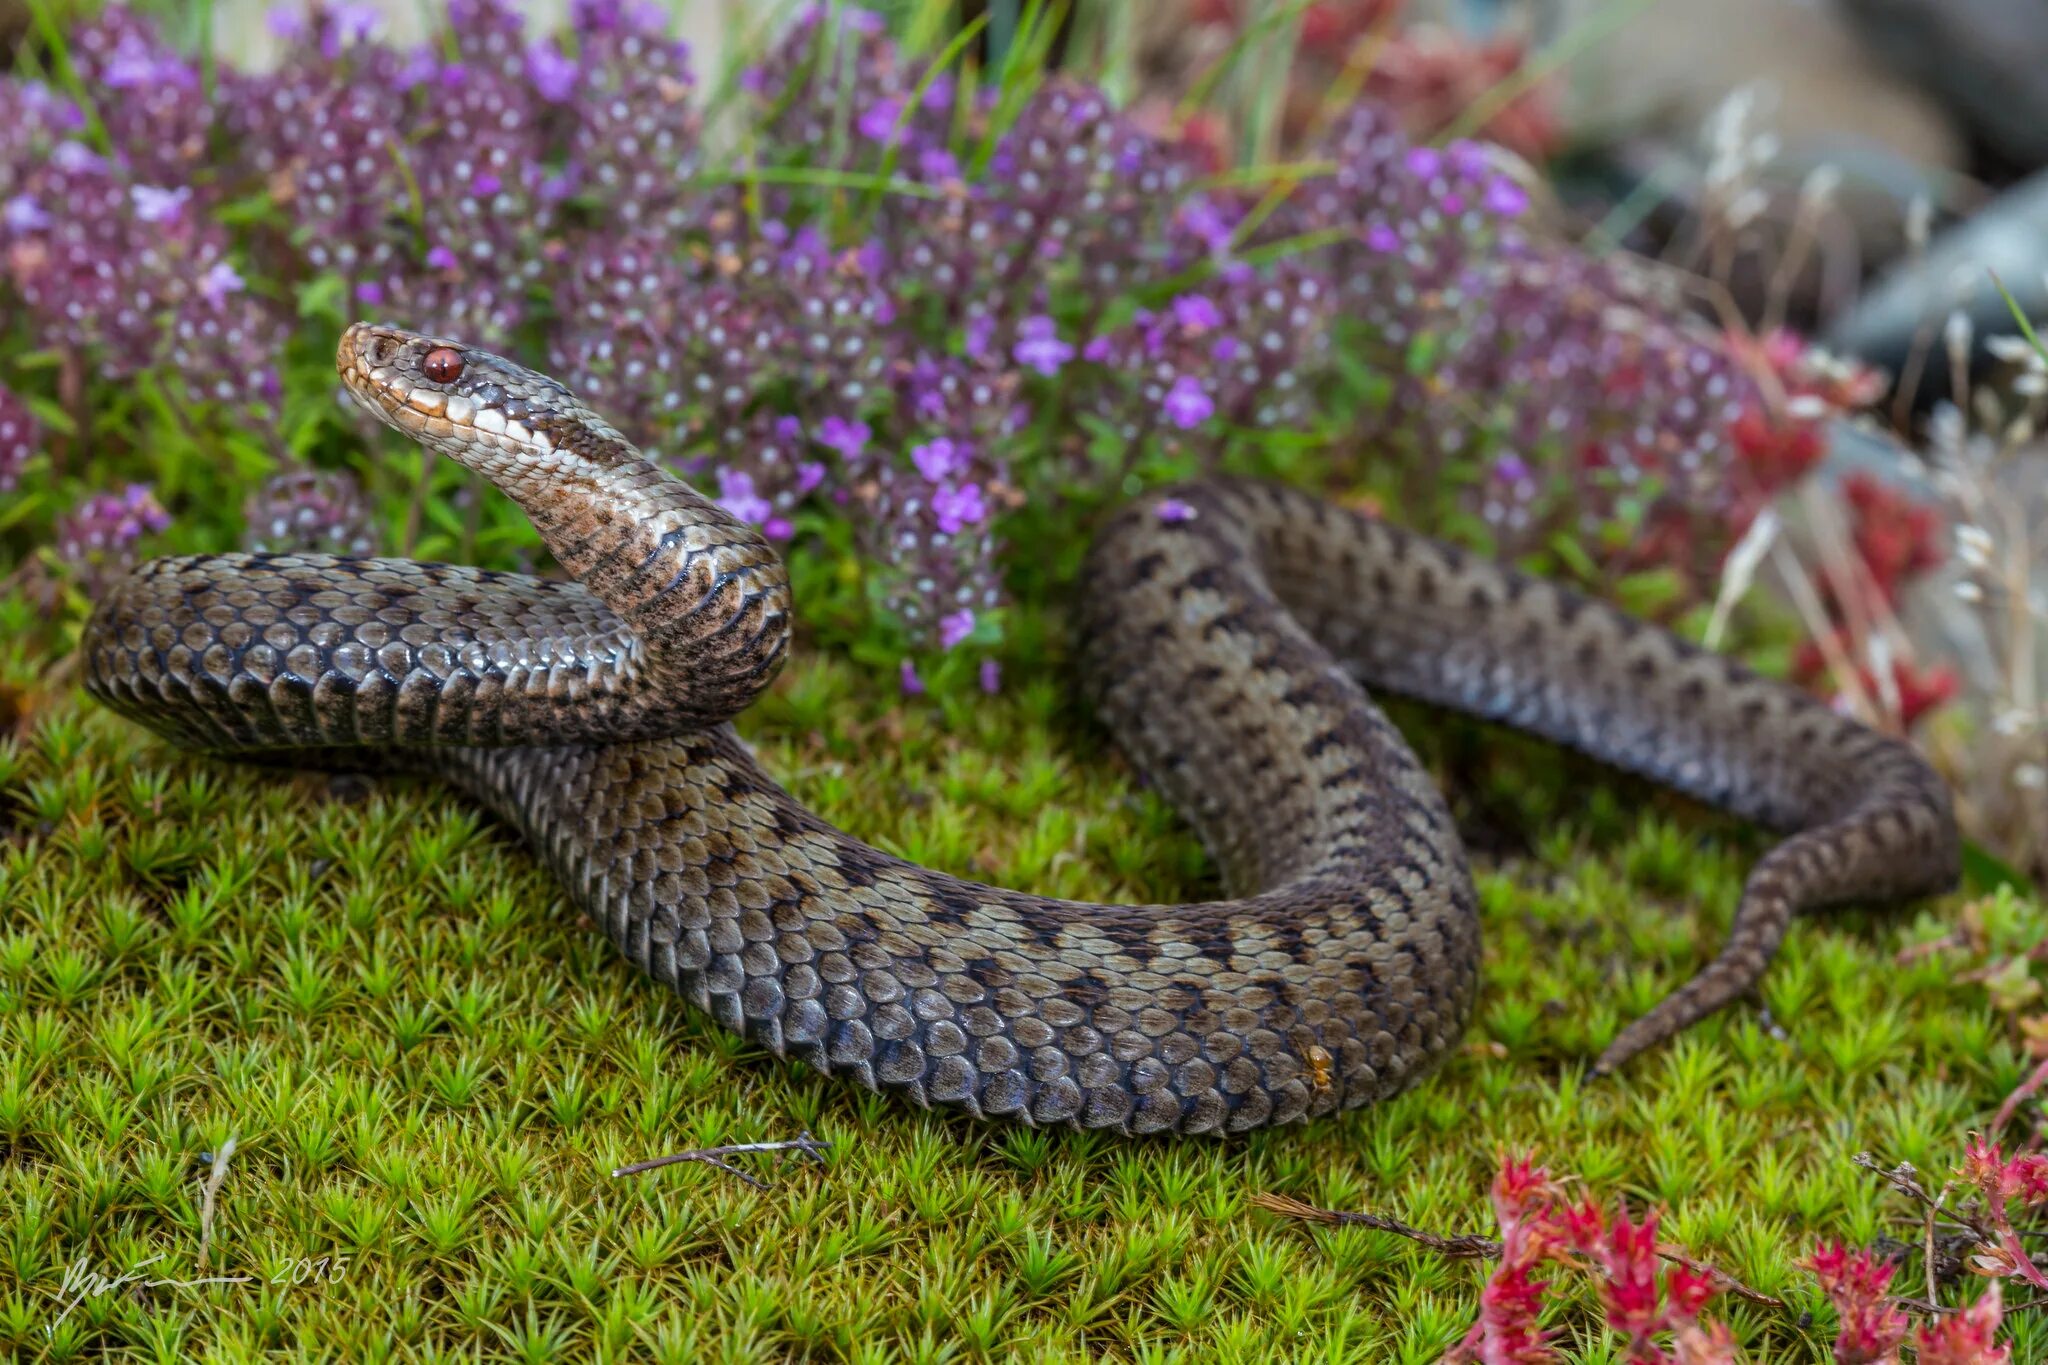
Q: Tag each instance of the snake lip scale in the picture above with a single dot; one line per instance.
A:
(1227, 638)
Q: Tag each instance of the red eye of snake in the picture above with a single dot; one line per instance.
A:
(443, 364)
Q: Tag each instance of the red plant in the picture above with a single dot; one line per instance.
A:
(1965, 1338)
(1871, 1326)
(1895, 538)
(1433, 75)
(1536, 1229)
(1999, 1181)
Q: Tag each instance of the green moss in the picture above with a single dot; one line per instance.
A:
(430, 1067)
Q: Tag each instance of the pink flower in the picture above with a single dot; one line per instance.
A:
(907, 679)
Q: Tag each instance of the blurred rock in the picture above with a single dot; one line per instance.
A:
(1665, 69)
(1908, 305)
(1984, 59)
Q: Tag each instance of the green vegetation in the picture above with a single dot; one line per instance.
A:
(430, 1068)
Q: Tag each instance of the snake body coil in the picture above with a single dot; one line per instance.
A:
(1225, 637)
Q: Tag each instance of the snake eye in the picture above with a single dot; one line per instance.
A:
(443, 364)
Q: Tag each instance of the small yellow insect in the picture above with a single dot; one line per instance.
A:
(1321, 1066)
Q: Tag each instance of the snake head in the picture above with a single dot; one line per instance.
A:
(479, 409)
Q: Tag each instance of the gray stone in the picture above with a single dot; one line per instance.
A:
(1983, 59)
(1914, 298)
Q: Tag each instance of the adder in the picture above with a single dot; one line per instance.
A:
(1229, 632)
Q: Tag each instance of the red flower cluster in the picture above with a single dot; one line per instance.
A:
(1778, 443)
(1871, 1327)
(1917, 690)
(1429, 73)
(1537, 1229)
(1893, 537)
(1433, 75)
(2000, 1182)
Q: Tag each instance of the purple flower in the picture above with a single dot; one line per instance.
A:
(980, 328)
(1196, 313)
(134, 65)
(991, 676)
(20, 436)
(75, 158)
(349, 23)
(736, 495)
(1468, 158)
(1380, 237)
(219, 282)
(959, 507)
(938, 459)
(1187, 405)
(1173, 511)
(370, 292)
(1039, 346)
(1424, 162)
(309, 511)
(154, 205)
(1201, 217)
(1504, 198)
(553, 74)
(936, 163)
(809, 475)
(848, 438)
(956, 627)
(1098, 350)
(486, 184)
(286, 22)
(1511, 469)
(1225, 350)
(778, 528)
(441, 258)
(23, 214)
(98, 536)
(877, 122)
(907, 679)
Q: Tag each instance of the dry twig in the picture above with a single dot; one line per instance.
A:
(1471, 1246)
(714, 1156)
(206, 1202)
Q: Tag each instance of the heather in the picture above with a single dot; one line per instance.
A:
(923, 316)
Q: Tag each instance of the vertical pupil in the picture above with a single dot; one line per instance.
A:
(442, 364)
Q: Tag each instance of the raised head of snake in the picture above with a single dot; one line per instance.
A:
(1228, 631)
(681, 573)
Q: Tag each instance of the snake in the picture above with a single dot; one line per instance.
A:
(1227, 633)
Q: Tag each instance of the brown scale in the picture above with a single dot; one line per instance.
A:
(1228, 651)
